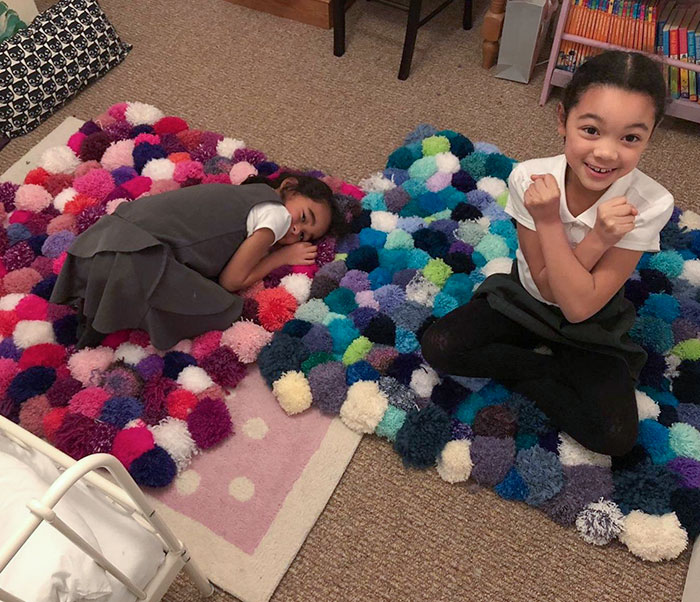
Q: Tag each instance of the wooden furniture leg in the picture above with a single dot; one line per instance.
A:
(338, 27)
(491, 32)
(467, 16)
(412, 25)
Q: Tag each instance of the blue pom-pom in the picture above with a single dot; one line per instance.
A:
(654, 437)
(143, 128)
(281, 354)
(17, 232)
(393, 260)
(341, 301)
(542, 472)
(459, 286)
(380, 330)
(267, 168)
(403, 366)
(374, 201)
(402, 158)
(175, 362)
(36, 242)
(431, 202)
(379, 277)
(498, 166)
(410, 315)
(686, 505)
(652, 333)
(444, 304)
(434, 243)
(364, 258)
(297, 328)
(397, 176)
(422, 130)
(670, 263)
(463, 182)
(144, 152)
(448, 394)
(406, 341)
(423, 435)
(155, 468)
(360, 371)
(31, 382)
(121, 410)
(647, 488)
(44, 288)
(661, 306)
(362, 317)
(343, 332)
(370, 237)
(513, 487)
(64, 329)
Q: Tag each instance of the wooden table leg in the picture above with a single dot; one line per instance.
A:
(409, 44)
(491, 32)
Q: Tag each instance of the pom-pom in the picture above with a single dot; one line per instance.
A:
(33, 332)
(600, 522)
(492, 458)
(155, 468)
(172, 435)
(455, 464)
(85, 364)
(32, 197)
(224, 367)
(423, 436)
(194, 379)
(283, 353)
(79, 436)
(364, 407)
(246, 339)
(59, 159)
(654, 538)
(646, 487)
(572, 453)
(275, 307)
(138, 113)
(298, 285)
(293, 392)
(30, 382)
(209, 423)
(328, 387)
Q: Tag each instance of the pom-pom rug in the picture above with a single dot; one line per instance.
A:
(344, 335)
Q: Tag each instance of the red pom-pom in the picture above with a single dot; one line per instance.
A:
(38, 175)
(169, 125)
(44, 354)
(32, 307)
(53, 420)
(276, 307)
(31, 415)
(79, 203)
(190, 139)
(20, 216)
(180, 403)
(137, 186)
(8, 321)
(55, 183)
(129, 444)
(114, 339)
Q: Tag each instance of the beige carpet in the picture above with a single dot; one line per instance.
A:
(387, 533)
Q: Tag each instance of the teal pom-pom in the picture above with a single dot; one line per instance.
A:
(423, 168)
(668, 262)
(412, 208)
(525, 440)
(661, 305)
(498, 166)
(374, 201)
(492, 246)
(391, 422)
(475, 164)
(460, 145)
(470, 232)
(341, 301)
(684, 440)
(404, 156)
(512, 487)
(394, 260)
(417, 259)
(505, 229)
(379, 277)
(460, 287)
(444, 304)
(451, 196)
(373, 238)
(655, 438)
(478, 259)
(431, 202)
(314, 310)
(662, 397)
(423, 435)
(495, 393)
(343, 332)
(652, 333)
(397, 239)
(406, 341)
(469, 408)
(414, 188)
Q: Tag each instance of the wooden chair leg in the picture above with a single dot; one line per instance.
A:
(467, 17)
(409, 44)
(338, 27)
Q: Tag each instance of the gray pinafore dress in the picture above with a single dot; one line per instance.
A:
(605, 332)
(154, 263)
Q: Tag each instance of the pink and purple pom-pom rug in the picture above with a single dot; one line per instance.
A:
(343, 336)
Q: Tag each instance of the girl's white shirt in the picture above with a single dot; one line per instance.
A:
(269, 215)
(653, 202)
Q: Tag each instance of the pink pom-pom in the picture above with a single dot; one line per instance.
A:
(119, 154)
(241, 171)
(89, 402)
(97, 183)
(184, 346)
(130, 443)
(307, 270)
(246, 339)
(253, 290)
(159, 186)
(53, 420)
(276, 306)
(118, 111)
(87, 364)
(203, 345)
(44, 354)
(31, 415)
(137, 186)
(75, 141)
(188, 170)
(216, 178)
(145, 138)
(353, 191)
(114, 339)
(32, 307)
(21, 281)
(65, 221)
(58, 262)
(20, 216)
(86, 167)
(104, 119)
(43, 265)
(112, 205)
(8, 370)
(32, 197)
(169, 125)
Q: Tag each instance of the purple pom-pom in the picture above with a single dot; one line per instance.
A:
(123, 174)
(150, 367)
(224, 367)
(318, 339)
(89, 216)
(18, 256)
(492, 458)
(56, 243)
(155, 468)
(328, 387)
(80, 436)
(209, 423)
(7, 195)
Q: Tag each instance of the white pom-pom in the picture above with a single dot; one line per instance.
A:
(500, 265)
(33, 332)
(376, 183)
(494, 186)
(129, 353)
(363, 407)
(293, 392)
(194, 379)
(299, 285)
(600, 522)
(228, 146)
(159, 169)
(447, 162)
(421, 290)
(423, 380)
(572, 453)
(690, 220)
(63, 197)
(691, 271)
(9, 302)
(173, 436)
(59, 159)
(652, 537)
(646, 406)
(384, 221)
(455, 461)
(672, 363)
(139, 113)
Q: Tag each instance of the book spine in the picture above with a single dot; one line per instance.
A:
(692, 75)
(673, 46)
(683, 56)
(697, 61)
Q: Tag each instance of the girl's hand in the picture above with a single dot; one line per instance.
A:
(299, 253)
(615, 218)
(542, 198)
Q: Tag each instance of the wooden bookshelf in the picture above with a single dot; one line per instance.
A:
(684, 109)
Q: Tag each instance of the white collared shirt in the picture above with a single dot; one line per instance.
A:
(269, 215)
(653, 202)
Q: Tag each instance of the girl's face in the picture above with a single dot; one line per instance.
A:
(310, 219)
(605, 135)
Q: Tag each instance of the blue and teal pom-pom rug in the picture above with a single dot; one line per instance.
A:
(429, 229)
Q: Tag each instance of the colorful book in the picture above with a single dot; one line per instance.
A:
(674, 83)
(663, 18)
(683, 51)
(693, 31)
(697, 59)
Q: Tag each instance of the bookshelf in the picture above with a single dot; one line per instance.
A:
(679, 107)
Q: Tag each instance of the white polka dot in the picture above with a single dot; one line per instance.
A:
(241, 488)
(187, 482)
(255, 428)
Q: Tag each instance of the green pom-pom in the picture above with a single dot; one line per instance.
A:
(688, 350)
(374, 201)
(423, 168)
(437, 271)
(502, 198)
(319, 357)
(492, 246)
(399, 239)
(314, 310)
(340, 257)
(470, 232)
(685, 440)
(668, 262)
(434, 145)
(357, 350)
(444, 214)
(391, 422)
(475, 164)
